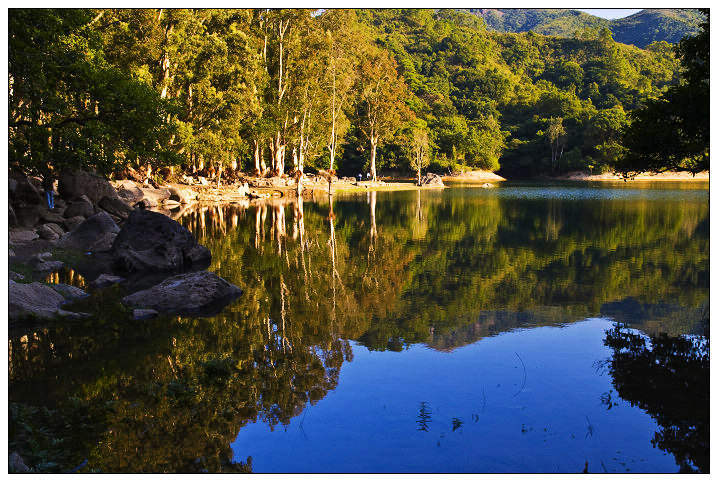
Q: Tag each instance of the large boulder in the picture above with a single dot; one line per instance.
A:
(158, 195)
(115, 206)
(433, 180)
(129, 192)
(46, 232)
(21, 236)
(75, 184)
(96, 233)
(29, 215)
(25, 191)
(81, 207)
(180, 195)
(53, 216)
(152, 241)
(72, 223)
(34, 299)
(198, 291)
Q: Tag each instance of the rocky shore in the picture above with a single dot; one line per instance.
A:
(108, 234)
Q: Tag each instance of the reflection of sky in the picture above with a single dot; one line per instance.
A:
(610, 13)
(526, 401)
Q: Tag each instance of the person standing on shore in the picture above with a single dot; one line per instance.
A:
(48, 185)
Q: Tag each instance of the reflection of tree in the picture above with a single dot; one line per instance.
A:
(668, 377)
(487, 264)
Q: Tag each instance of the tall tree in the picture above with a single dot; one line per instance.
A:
(381, 104)
(419, 150)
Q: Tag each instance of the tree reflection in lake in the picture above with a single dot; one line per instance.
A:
(386, 270)
(668, 377)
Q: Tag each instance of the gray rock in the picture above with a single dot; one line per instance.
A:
(15, 276)
(180, 195)
(60, 204)
(57, 228)
(69, 292)
(96, 233)
(116, 207)
(105, 280)
(12, 184)
(16, 464)
(28, 215)
(71, 223)
(75, 184)
(26, 192)
(152, 241)
(141, 314)
(47, 267)
(146, 203)
(185, 293)
(34, 299)
(45, 232)
(79, 208)
(52, 217)
(158, 195)
(12, 217)
(431, 179)
(129, 192)
(22, 236)
(202, 180)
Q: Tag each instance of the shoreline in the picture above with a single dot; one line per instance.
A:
(663, 176)
(317, 186)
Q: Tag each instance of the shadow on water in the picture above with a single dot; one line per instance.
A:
(668, 377)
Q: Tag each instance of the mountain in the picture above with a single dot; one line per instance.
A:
(639, 29)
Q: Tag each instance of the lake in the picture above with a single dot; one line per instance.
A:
(501, 330)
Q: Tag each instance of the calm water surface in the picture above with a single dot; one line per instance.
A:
(464, 330)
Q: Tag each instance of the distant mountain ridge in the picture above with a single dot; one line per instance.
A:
(639, 29)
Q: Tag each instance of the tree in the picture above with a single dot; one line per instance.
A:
(419, 148)
(67, 105)
(672, 132)
(344, 38)
(381, 94)
(556, 134)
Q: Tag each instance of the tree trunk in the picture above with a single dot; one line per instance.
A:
(278, 151)
(374, 142)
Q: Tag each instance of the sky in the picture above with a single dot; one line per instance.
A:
(610, 12)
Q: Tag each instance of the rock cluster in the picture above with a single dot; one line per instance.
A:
(138, 243)
(431, 180)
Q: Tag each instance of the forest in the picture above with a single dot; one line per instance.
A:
(271, 92)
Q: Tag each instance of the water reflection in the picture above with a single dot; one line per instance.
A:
(668, 377)
(385, 270)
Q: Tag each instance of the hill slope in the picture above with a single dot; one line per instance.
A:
(639, 29)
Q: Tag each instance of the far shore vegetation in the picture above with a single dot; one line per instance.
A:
(168, 92)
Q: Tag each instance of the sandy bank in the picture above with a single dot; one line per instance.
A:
(474, 176)
(664, 176)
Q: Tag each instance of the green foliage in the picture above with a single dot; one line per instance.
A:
(276, 90)
(672, 132)
(68, 107)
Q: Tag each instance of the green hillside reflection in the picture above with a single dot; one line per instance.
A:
(384, 269)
